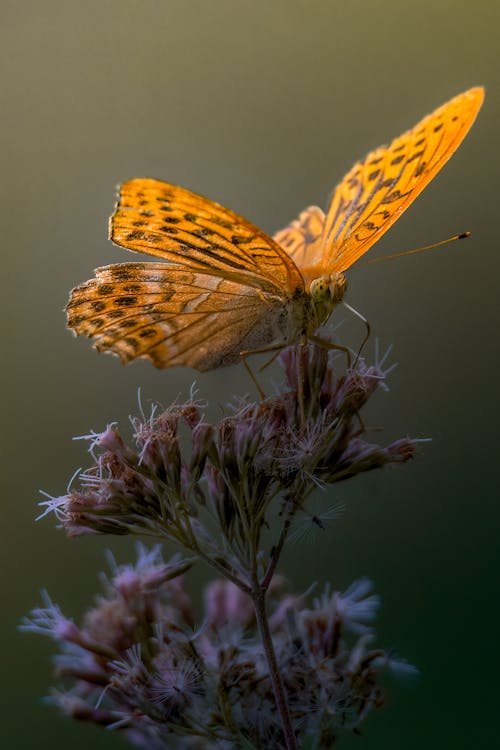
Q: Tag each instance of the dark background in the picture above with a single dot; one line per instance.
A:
(262, 106)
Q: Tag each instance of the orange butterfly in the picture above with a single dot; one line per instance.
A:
(227, 287)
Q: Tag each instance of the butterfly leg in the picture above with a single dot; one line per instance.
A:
(275, 348)
(368, 329)
(329, 346)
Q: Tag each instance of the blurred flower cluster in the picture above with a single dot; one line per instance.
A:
(139, 663)
(265, 667)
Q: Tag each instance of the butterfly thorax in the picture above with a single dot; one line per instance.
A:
(326, 292)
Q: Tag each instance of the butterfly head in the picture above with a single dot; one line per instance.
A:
(326, 293)
(329, 289)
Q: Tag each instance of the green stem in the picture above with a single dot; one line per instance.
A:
(259, 602)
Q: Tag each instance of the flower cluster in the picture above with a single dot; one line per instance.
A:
(197, 483)
(265, 669)
(139, 664)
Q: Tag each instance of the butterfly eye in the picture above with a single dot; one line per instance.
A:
(328, 288)
(320, 289)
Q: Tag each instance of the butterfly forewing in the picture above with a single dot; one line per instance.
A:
(377, 190)
(182, 227)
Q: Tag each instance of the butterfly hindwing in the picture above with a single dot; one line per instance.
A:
(171, 315)
(301, 237)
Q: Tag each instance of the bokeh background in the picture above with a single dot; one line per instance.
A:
(262, 106)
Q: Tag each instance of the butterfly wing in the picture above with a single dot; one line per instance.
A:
(301, 237)
(184, 228)
(225, 287)
(171, 316)
(377, 190)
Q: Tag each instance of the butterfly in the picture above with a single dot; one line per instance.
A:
(224, 287)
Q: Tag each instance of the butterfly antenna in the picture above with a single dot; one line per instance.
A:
(419, 249)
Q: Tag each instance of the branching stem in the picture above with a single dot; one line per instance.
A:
(268, 576)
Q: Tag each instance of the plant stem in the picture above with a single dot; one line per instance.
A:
(259, 602)
(268, 576)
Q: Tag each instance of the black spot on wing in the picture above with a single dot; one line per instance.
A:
(397, 159)
(125, 301)
(416, 155)
(105, 289)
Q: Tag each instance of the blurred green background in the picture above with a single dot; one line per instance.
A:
(262, 106)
